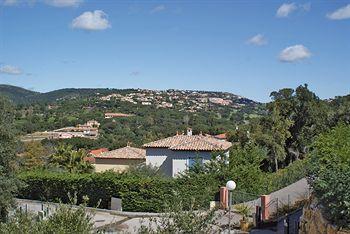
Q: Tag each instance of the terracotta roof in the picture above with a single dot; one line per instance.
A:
(127, 152)
(194, 142)
(90, 159)
(97, 152)
(222, 136)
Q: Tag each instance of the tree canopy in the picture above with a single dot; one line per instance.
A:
(8, 182)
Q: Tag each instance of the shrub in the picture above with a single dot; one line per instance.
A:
(179, 219)
(137, 193)
(64, 220)
(329, 174)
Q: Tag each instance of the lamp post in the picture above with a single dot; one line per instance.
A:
(230, 185)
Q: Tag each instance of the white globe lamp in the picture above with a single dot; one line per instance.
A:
(230, 185)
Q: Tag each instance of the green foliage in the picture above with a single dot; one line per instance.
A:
(16, 94)
(143, 170)
(145, 190)
(243, 210)
(64, 220)
(69, 220)
(178, 219)
(34, 155)
(330, 173)
(203, 183)
(288, 175)
(8, 182)
(70, 160)
(138, 193)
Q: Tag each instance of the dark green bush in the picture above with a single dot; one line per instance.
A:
(138, 194)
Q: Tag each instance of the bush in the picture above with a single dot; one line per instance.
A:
(65, 219)
(329, 174)
(137, 193)
(179, 219)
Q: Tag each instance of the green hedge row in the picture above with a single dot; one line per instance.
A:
(137, 194)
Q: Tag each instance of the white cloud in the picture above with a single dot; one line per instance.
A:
(294, 53)
(341, 13)
(257, 40)
(91, 21)
(158, 8)
(63, 3)
(10, 2)
(10, 70)
(306, 6)
(285, 9)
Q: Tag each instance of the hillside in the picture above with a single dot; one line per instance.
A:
(23, 96)
(17, 94)
(182, 99)
(148, 114)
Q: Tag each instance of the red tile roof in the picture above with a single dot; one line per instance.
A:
(89, 159)
(97, 152)
(192, 143)
(222, 136)
(127, 152)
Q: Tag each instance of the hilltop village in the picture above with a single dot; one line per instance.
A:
(184, 100)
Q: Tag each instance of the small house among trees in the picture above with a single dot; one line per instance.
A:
(120, 159)
(176, 154)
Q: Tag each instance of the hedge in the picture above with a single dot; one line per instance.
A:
(137, 194)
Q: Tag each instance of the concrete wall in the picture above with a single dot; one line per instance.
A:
(173, 162)
(118, 165)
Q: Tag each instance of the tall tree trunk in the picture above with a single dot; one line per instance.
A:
(276, 164)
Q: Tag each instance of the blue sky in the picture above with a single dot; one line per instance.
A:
(248, 48)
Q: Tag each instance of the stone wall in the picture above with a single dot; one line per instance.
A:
(312, 221)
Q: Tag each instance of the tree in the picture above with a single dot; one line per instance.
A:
(33, 155)
(273, 133)
(8, 182)
(329, 173)
(70, 160)
(309, 116)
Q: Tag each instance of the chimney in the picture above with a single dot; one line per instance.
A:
(189, 131)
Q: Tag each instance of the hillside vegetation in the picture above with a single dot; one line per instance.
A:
(155, 114)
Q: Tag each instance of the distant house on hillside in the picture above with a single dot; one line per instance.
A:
(176, 154)
(116, 115)
(120, 159)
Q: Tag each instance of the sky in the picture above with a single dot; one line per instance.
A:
(246, 47)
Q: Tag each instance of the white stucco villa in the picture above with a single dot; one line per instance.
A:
(178, 153)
